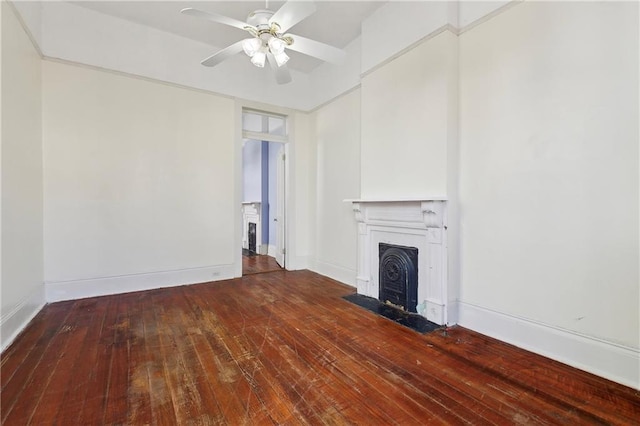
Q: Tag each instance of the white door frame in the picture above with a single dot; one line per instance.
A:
(281, 214)
(289, 180)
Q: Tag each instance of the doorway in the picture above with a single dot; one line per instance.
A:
(263, 192)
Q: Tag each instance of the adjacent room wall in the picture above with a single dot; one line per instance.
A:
(337, 157)
(138, 189)
(549, 182)
(252, 170)
(22, 291)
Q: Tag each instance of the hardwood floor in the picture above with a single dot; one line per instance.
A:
(280, 348)
(258, 264)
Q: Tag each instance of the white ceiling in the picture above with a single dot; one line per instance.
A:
(335, 22)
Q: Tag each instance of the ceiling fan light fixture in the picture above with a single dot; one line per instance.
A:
(268, 38)
(276, 45)
(251, 46)
(258, 58)
(281, 58)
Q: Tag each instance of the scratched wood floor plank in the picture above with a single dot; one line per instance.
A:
(56, 393)
(280, 348)
(439, 381)
(378, 360)
(507, 397)
(316, 360)
(547, 397)
(223, 394)
(158, 388)
(579, 392)
(78, 382)
(27, 347)
(139, 411)
(218, 397)
(246, 356)
(115, 411)
(35, 376)
(97, 381)
(357, 368)
(195, 386)
(234, 394)
(278, 368)
(21, 358)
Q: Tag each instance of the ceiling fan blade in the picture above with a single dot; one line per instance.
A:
(215, 18)
(283, 76)
(291, 13)
(316, 49)
(223, 54)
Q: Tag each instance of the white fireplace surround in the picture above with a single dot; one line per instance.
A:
(251, 212)
(419, 223)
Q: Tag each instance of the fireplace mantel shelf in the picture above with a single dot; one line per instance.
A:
(395, 200)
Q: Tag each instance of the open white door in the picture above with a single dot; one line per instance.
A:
(279, 219)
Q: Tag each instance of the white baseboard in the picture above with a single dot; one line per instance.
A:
(339, 273)
(80, 289)
(16, 319)
(615, 362)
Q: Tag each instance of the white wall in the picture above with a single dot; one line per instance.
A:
(405, 122)
(549, 181)
(137, 181)
(304, 139)
(22, 291)
(337, 157)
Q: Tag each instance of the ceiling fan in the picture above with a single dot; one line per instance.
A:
(269, 38)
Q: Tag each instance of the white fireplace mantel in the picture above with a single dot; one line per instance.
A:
(251, 212)
(420, 223)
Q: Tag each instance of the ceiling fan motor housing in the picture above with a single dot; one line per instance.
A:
(260, 19)
(266, 30)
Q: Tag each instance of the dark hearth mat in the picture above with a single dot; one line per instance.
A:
(246, 252)
(408, 319)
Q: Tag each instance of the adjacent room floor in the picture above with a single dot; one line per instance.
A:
(258, 263)
(280, 348)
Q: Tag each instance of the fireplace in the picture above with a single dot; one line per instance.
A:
(251, 229)
(404, 243)
(398, 276)
(252, 237)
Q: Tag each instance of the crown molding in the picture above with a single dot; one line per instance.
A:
(25, 27)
